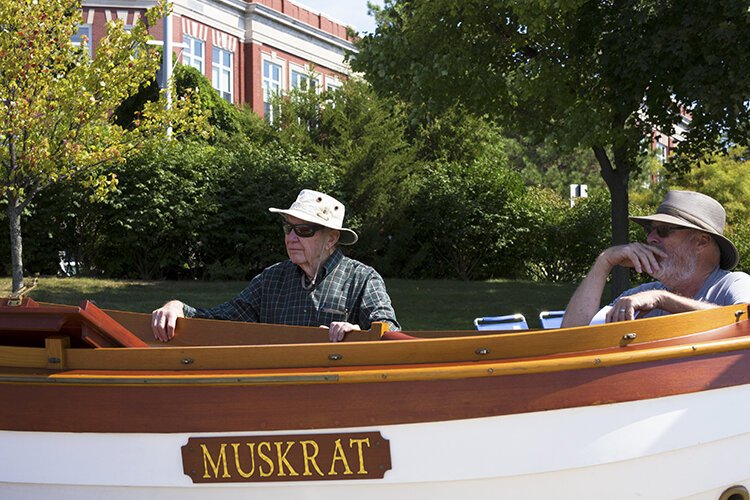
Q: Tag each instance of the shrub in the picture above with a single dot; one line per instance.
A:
(563, 241)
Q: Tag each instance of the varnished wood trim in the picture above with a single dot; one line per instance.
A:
(410, 373)
(23, 357)
(207, 332)
(355, 354)
(203, 332)
(57, 347)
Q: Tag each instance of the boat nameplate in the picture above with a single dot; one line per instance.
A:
(272, 458)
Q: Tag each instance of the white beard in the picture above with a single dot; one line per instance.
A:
(679, 267)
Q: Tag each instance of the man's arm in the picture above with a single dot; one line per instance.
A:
(585, 301)
(376, 303)
(629, 306)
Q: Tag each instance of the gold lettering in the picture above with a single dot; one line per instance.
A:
(265, 459)
(310, 458)
(208, 459)
(338, 454)
(283, 460)
(359, 443)
(242, 473)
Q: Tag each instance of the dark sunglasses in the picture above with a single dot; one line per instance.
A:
(664, 231)
(301, 230)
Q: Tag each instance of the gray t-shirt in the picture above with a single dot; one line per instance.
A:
(722, 288)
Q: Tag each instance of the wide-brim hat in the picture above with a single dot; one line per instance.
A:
(319, 208)
(696, 211)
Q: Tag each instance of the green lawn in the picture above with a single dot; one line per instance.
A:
(420, 305)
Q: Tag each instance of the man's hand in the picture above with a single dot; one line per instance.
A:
(629, 307)
(164, 319)
(338, 329)
(640, 256)
(632, 306)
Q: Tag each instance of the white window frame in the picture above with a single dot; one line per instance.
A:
(189, 58)
(662, 152)
(222, 75)
(303, 75)
(332, 84)
(78, 34)
(267, 83)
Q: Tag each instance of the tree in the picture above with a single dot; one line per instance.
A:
(362, 139)
(57, 103)
(595, 74)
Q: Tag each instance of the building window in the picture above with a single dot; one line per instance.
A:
(84, 30)
(192, 52)
(302, 81)
(662, 152)
(332, 84)
(222, 72)
(271, 87)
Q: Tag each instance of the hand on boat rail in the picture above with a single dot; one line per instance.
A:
(338, 330)
(164, 320)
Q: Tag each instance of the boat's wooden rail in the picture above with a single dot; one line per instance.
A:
(30, 323)
(205, 332)
(62, 342)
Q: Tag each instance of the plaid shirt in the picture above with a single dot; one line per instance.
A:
(347, 290)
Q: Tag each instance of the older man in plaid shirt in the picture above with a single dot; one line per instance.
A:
(318, 285)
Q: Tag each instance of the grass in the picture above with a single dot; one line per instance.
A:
(420, 305)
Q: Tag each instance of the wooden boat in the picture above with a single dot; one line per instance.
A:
(92, 407)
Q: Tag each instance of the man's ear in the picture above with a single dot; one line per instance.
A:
(703, 241)
(333, 238)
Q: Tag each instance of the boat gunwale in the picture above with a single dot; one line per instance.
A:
(390, 373)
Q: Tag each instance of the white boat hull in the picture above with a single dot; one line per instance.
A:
(687, 446)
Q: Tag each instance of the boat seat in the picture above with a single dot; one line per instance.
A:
(507, 322)
(551, 319)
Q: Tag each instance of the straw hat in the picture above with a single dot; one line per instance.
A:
(319, 208)
(696, 211)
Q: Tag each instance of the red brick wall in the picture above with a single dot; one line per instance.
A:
(306, 16)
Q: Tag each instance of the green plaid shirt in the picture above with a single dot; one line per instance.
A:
(347, 290)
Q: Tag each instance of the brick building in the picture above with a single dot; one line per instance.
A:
(248, 49)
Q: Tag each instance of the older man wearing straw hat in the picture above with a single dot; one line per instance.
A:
(686, 252)
(316, 286)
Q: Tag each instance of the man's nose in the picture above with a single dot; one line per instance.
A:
(652, 238)
(292, 236)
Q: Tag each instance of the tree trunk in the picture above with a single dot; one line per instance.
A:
(617, 181)
(16, 247)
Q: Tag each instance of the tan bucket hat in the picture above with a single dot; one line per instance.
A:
(696, 211)
(319, 208)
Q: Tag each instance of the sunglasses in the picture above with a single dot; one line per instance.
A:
(301, 230)
(664, 231)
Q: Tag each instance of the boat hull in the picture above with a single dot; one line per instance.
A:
(655, 408)
(692, 445)
(238, 402)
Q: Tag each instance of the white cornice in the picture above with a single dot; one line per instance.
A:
(305, 28)
(235, 18)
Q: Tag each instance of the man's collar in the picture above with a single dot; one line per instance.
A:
(332, 261)
(328, 266)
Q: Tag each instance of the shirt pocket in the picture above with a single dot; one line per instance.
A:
(333, 311)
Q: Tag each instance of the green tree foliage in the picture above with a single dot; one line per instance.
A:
(244, 237)
(599, 75)
(149, 226)
(561, 242)
(57, 104)
(459, 222)
(725, 177)
(362, 140)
